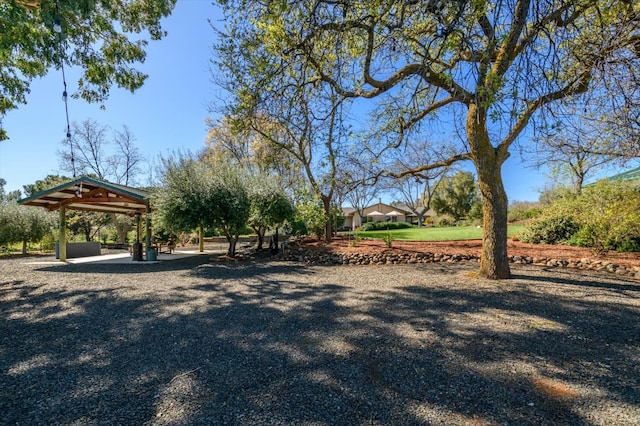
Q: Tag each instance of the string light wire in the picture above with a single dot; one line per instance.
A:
(57, 27)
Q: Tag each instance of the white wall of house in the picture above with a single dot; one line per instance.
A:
(379, 212)
(388, 213)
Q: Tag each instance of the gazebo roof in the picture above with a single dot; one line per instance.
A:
(88, 194)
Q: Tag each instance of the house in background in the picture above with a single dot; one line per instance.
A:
(379, 212)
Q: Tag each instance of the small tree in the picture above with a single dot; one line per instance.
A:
(11, 196)
(194, 195)
(456, 195)
(228, 200)
(23, 224)
(309, 218)
(270, 207)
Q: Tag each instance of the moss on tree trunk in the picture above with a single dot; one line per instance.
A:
(494, 262)
(488, 160)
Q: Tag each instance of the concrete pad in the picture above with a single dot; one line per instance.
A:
(126, 258)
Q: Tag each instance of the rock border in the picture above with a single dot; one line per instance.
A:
(321, 257)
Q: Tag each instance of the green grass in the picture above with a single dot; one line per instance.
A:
(449, 233)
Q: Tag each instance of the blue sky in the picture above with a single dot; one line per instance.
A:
(167, 114)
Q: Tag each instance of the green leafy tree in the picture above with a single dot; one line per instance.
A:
(23, 224)
(491, 67)
(102, 37)
(48, 182)
(11, 196)
(228, 199)
(456, 195)
(308, 218)
(87, 224)
(194, 195)
(270, 207)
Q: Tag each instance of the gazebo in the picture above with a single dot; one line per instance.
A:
(89, 194)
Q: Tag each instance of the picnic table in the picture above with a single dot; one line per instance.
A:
(170, 244)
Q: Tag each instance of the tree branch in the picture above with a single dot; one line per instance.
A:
(417, 170)
(577, 86)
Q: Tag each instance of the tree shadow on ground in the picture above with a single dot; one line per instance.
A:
(277, 343)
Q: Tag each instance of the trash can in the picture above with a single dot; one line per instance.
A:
(137, 251)
(151, 254)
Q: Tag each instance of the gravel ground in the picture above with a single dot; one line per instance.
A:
(204, 341)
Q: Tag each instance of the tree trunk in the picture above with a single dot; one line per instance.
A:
(273, 246)
(260, 232)
(494, 262)
(231, 252)
(122, 228)
(24, 247)
(232, 240)
(579, 182)
(326, 203)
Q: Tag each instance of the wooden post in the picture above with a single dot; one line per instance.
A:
(201, 239)
(148, 236)
(138, 227)
(62, 245)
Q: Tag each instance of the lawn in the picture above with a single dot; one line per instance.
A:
(449, 233)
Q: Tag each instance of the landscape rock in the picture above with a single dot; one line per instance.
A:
(314, 256)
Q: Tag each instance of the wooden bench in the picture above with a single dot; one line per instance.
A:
(171, 246)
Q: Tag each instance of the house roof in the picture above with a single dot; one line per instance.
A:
(348, 211)
(404, 207)
(399, 208)
(89, 194)
(628, 175)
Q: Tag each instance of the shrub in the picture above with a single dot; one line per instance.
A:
(550, 230)
(522, 212)
(604, 216)
(444, 221)
(308, 219)
(388, 239)
(378, 226)
(48, 242)
(356, 240)
(609, 216)
(629, 245)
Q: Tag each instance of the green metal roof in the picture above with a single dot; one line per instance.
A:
(85, 193)
(628, 175)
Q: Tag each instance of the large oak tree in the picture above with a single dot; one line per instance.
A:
(490, 67)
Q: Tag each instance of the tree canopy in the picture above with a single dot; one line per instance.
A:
(456, 195)
(488, 68)
(270, 206)
(194, 195)
(23, 224)
(102, 37)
